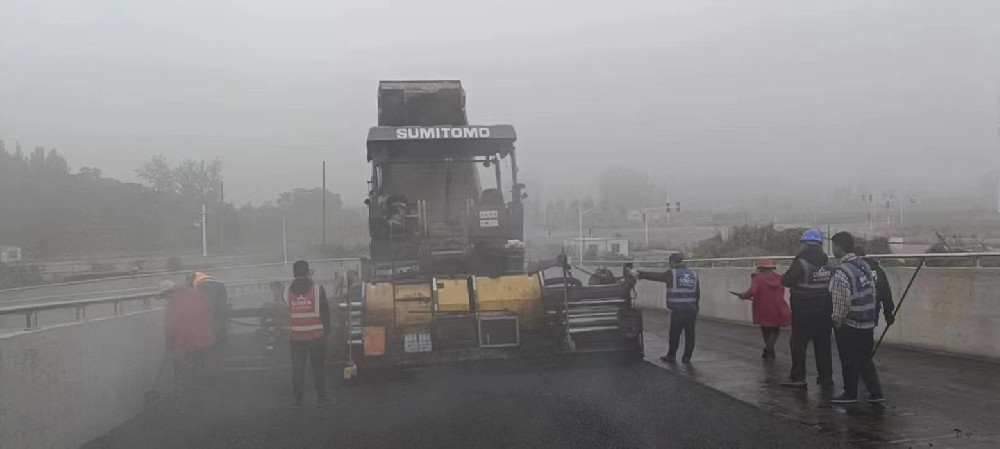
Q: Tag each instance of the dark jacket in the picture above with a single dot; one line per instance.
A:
(883, 292)
(814, 255)
(667, 277)
(303, 285)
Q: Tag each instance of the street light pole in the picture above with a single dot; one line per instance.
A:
(645, 221)
(204, 233)
(579, 207)
(284, 240)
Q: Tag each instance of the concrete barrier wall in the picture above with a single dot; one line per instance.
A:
(63, 386)
(954, 310)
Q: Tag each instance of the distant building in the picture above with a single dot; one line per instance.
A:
(599, 246)
(10, 254)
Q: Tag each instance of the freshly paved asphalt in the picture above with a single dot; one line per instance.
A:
(727, 398)
(566, 403)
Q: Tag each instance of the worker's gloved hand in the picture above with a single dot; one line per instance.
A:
(890, 319)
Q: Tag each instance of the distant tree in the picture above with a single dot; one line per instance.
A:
(18, 154)
(90, 172)
(302, 200)
(747, 241)
(56, 164)
(157, 174)
(37, 160)
(199, 179)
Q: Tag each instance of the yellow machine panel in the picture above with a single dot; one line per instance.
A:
(413, 304)
(453, 295)
(518, 293)
(379, 304)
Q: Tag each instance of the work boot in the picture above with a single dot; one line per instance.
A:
(296, 404)
(669, 358)
(792, 383)
(686, 359)
(875, 398)
(825, 384)
(844, 399)
(324, 402)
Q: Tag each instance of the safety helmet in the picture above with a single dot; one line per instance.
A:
(766, 263)
(812, 236)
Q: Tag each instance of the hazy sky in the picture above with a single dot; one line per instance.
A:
(703, 90)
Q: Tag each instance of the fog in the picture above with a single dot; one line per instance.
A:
(721, 95)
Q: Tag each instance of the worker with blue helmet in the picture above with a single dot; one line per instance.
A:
(808, 280)
(812, 236)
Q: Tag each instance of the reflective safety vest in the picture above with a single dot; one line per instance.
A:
(200, 277)
(862, 289)
(815, 281)
(681, 291)
(306, 323)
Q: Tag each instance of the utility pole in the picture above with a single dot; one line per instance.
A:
(579, 207)
(222, 215)
(645, 222)
(284, 241)
(204, 233)
(324, 202)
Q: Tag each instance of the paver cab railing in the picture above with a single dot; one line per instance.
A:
(971, 259)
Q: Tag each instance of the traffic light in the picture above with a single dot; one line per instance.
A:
(678, 206)
(668, 206)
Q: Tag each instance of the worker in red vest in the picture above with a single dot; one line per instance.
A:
(308, 328)
(188, 332)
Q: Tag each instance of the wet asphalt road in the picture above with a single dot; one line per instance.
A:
(932, 400)
(569, 402)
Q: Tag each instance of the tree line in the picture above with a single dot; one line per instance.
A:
(53, 212)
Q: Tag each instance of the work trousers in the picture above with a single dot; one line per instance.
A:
(855, 349)
(682, 321)
(189, 370)
(315, 352)
(811, 324)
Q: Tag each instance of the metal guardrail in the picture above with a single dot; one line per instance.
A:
(31, 311)
(178, 273)
(975, 257)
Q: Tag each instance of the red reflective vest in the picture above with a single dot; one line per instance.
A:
(306, 323)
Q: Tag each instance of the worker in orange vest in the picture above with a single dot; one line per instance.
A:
(308, 329)
(188, 329)
(218, 301)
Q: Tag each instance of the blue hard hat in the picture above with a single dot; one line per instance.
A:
(812, 236)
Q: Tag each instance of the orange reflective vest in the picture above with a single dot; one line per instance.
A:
(306, 323)
(200, 277)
